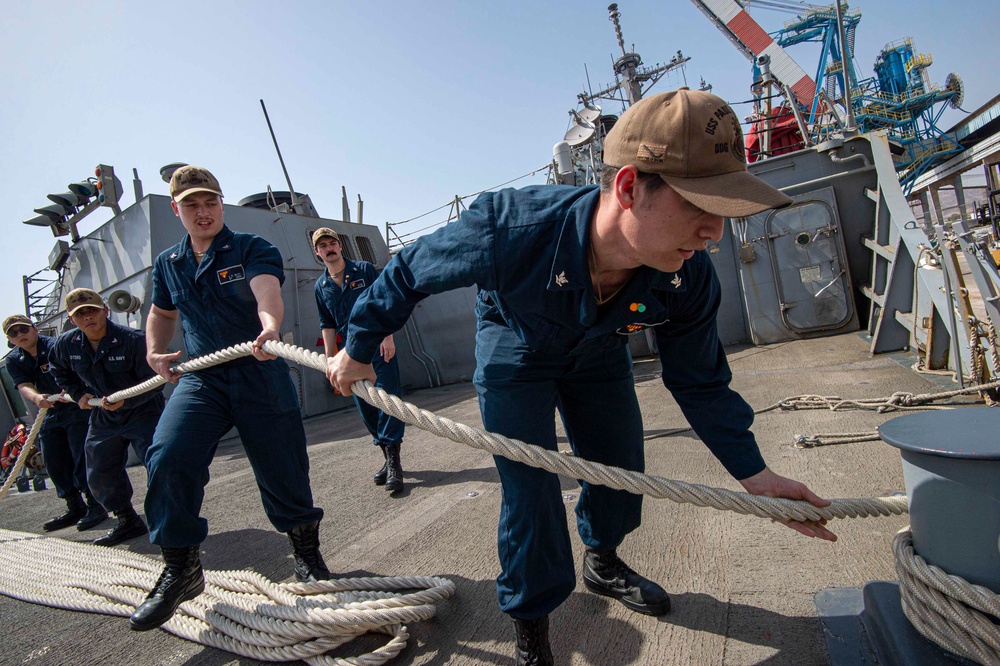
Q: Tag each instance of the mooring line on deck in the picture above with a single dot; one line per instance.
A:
(552, 461)
(240, 611)
(947, 609)
(244, 613)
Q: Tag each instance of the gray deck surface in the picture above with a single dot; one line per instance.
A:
(742, 587)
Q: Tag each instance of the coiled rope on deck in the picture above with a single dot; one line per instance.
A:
(946, 609)
(239, 611)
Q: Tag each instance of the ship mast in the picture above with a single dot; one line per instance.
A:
(632, 78)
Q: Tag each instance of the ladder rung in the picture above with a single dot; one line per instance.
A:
(878, 299)
(886, 251)
(905, 319)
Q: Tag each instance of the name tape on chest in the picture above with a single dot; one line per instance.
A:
(628, 329)
(231, 274)
(357, 284)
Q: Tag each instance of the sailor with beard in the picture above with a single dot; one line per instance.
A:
(336, 293)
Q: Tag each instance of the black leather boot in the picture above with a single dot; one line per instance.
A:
(75, 510)
(129, 526)
(394, 469)
(380, 475)
(182, 580)
(533, 642)
(95, 514)
(606, 574)
(309, 564)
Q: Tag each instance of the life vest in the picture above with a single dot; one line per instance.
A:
(12, 447)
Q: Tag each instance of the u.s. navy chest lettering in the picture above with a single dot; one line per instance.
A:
(231, 274)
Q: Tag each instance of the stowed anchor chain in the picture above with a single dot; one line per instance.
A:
(333, 612)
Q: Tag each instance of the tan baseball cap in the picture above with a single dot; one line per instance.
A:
(324, 232)
(693, 140)
(82, 298)
(190, 179)
(15, 320)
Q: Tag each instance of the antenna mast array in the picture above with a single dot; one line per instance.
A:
(630, 75)
(576, 159)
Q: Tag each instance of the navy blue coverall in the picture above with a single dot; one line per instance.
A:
(119, 362)
(63, 433)
(542, 344)
(218, 310)
(335, 304)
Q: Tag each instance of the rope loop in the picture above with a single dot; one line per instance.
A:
(806, 442)
(239, 611)
(946, 609)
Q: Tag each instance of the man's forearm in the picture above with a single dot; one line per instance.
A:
(330, 342)
(28, 392)
(270, 308)
(159, 332)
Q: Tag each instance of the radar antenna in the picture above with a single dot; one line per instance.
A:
(954, 84)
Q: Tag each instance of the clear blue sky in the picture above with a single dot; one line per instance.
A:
(405, 103)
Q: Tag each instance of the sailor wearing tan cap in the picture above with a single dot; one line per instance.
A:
(565, 274)
(64, 429)
(99, 358)
(337, 290)
(225, 288)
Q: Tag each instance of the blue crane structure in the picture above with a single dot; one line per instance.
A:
(899, 99)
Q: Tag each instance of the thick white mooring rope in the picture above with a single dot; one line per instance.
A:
(220, 626)
(947, 609)
(239, 611)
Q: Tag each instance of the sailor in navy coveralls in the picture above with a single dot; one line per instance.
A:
(565, 274)
(64, 429)
(337, 290)
(225, 288)
(99, 358)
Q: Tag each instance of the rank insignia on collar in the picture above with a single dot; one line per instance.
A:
(676, 281)
(561, 279)
(173, 256)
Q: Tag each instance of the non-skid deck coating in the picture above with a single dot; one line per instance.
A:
(742, 587)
